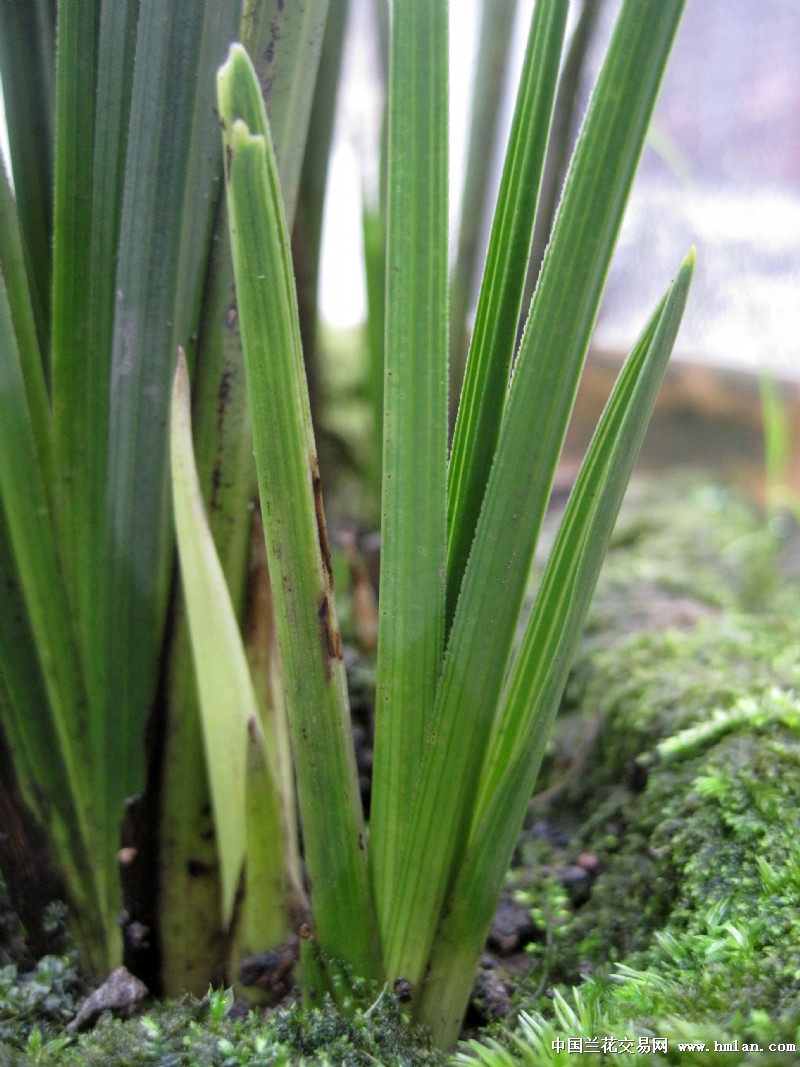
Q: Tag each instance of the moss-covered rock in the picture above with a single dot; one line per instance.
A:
(687, 798)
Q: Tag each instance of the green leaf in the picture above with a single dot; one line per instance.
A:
(167, 211)
(28, 63)
(267, 904)
(72, 293)
(540, 669)
(15, 276)
(497, 317)
(226, 469)
(53, 736)
(27, 731)
(532, 431)
(227, 700)
(31, 735)
(566, 118)
(284, 42)
(30, 527)
(374, 237)
(568, 583)
(488, 90)
(95, 74)
(413, 503)
(295, 531)
(195, 943)
(307, 229)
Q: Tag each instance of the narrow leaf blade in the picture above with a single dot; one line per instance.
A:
(32, 563)
(284, 42)
(532, 431)
(497, 317)
(28, 62)
(294, 525)
(172, 171)
(488, 91)
(413, 504)
(18, 288)
(226, 469)
(540, 670)
(227, 700)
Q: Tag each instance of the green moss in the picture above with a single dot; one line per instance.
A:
(733, 840)
(688, 795)
(677, 537)
(692, 932)
(46, 997)
(652, 700)
(379, 1034)
(192, 1033)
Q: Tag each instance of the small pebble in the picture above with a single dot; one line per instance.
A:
(121, 993)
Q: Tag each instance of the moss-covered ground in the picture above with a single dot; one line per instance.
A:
(661, 861)
(687, 798)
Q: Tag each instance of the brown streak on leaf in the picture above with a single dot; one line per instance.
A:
(216, 484)
(329, 630)
(322, 529)
(331, 640)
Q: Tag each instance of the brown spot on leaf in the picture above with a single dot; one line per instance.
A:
(224, 390)
(198, 869)
(216, 484)
(331, 639)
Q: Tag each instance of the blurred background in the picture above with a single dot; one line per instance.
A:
(721, 170)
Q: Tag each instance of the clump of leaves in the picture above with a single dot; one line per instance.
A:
(98, 294)
(462, 715)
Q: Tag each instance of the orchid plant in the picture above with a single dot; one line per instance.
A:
(121, 285)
